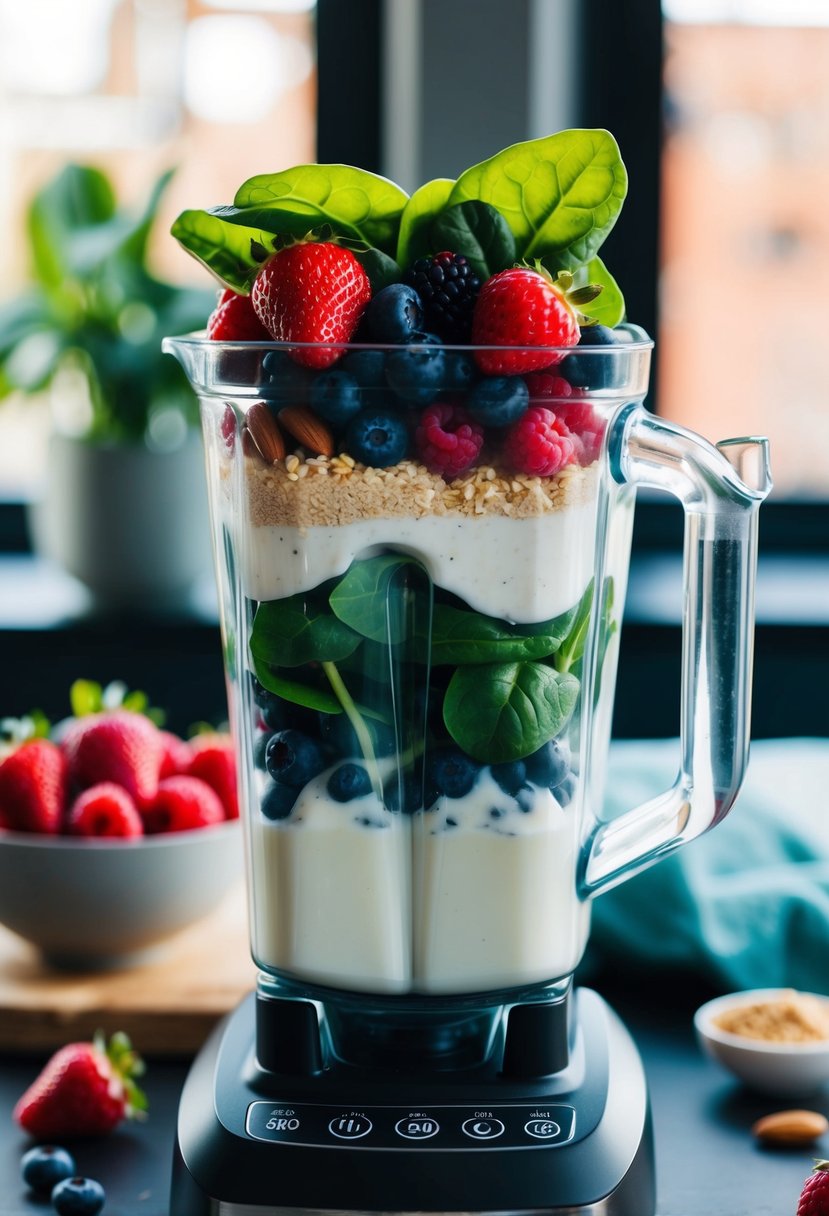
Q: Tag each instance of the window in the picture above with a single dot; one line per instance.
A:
(222, 89)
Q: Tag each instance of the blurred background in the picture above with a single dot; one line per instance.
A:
(721, 109)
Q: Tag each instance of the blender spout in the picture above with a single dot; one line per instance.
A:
(749, 457)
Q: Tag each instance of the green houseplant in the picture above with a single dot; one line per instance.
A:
(122, 507)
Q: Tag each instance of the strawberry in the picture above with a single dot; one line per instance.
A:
(814, 1197)
(176, 755)
(118, 746)
(33, 787)
(181, 804)
(85, 1089)
(524, 308)
(104, 810)
(311, 292)
(233, 320)
(214, 762)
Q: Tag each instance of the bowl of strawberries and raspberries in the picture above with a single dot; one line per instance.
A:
(114, 832)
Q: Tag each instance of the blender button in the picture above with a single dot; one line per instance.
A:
(350, 1127)
(542, 1129)
(483, 1129)
(417, 1127)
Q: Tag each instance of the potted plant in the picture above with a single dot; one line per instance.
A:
(123, 506)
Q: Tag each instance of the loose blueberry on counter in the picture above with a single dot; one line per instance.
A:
(293, 758)
(278, 801)
(510, 777)
(78, 1197)
(377, 438)
(592, 371)
(452, 772)
(43, 1167)
(335, 396)
(287, 383)
(395, 314)
(417, 372)
(349, 781)
(550, 764)
(498, 400)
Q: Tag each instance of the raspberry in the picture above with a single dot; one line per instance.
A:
(538, 443)
(586, 427)
(105, 809)
(548, 385)
(447, 439)
(227, 427)
(448, 287)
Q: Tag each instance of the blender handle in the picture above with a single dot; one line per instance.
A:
(719, 565)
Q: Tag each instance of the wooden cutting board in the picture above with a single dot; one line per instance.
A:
(167, 1005)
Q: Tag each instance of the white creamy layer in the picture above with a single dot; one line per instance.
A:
(520, 570)
(458, 899)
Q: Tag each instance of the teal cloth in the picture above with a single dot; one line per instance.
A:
(747, 904)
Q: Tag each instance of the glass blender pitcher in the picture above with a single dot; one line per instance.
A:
(421, 660)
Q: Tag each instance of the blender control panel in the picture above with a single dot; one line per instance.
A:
(398, 1127)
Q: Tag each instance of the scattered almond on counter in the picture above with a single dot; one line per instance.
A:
(790, 1127)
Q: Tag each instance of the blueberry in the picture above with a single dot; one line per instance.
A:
(377, 437)
(349, 781)
(335, 396)
(288, 383)
(78, 1197)
(416, 372)
(404, 795)
(593, 371)
(395, 314)
(293, 758)
(43, 1167)
(452, 772)
(498, 400)
(459, 371)
(338, 733)
(510, 777)
(278, 801)
(368, 367)
(565, 790)
(550, 764)
(260, 748)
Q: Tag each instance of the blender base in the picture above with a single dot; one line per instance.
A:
(353, 1139)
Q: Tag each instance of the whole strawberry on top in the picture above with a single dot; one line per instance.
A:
(85, 1089)
(523, 307)
(314, 291)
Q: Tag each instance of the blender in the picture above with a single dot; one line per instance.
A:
(421, 677)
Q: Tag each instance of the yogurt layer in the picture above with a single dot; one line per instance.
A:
(519, 570)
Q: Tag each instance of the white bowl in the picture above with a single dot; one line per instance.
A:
(91, 903)
(788, 1070)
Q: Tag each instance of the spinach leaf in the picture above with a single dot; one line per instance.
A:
(608, 308)
(560, 195)
(229, 251)
(380, 268)
(293, 631)
(413, 239)
(479, 232)
(505, 711)
(355, 203)
(311, 694)
(460, 636)
(572, 648)
(360, 599)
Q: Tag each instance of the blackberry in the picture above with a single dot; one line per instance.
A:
(448, 288)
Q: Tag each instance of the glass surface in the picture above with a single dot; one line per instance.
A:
(421, 667)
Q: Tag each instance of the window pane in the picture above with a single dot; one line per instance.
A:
(744, 316)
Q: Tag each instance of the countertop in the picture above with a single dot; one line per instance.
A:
(707, 1162)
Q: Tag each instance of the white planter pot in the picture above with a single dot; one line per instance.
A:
(131, 524)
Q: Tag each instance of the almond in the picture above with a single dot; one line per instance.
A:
(265, 432)
(307, 429)
(790, 1127)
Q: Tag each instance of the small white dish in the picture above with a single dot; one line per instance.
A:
(789, 1070)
